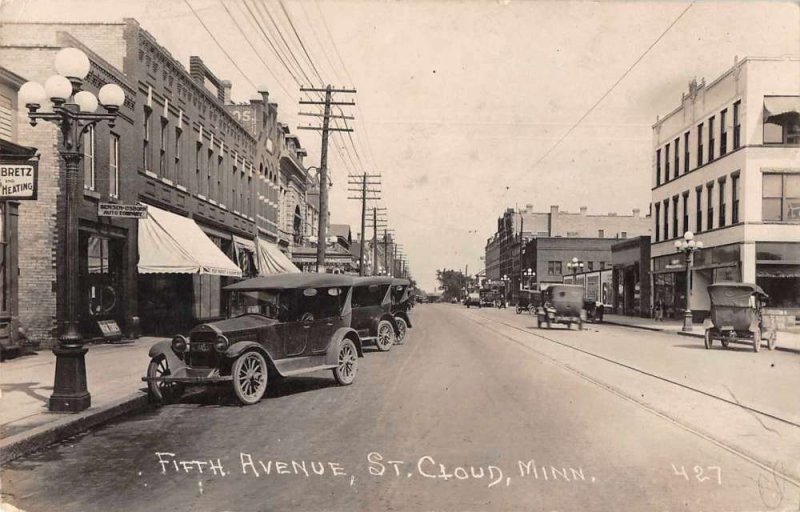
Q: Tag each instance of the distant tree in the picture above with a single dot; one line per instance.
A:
(452, 283)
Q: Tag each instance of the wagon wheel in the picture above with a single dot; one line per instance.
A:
(757, 339)
(402, 330)
(708, 339)
(347, 364)
(162, 392)
(249, 374)
(772, 340)
(385, 338)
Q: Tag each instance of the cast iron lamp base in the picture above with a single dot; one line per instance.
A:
(687, 321)
(70, 393)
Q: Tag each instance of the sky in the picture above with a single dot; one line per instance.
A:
(467, 108)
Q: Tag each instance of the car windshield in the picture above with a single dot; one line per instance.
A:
(288, 305)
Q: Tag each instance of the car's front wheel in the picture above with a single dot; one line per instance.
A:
(162, 392)
(385, 338)
(347, 365)
(249, 374)
(402, 330)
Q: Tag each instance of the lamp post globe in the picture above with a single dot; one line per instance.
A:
(86, 101)
(72, 63)
(111, 96)
(58, 89)
(32, 94)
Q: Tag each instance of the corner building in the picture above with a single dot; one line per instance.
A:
(726, 166)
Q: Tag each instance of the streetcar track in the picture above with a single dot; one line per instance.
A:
(771, 469)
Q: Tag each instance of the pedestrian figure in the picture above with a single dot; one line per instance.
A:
(659, 312)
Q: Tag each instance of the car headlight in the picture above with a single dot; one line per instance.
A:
(180, 344)
(221, 345)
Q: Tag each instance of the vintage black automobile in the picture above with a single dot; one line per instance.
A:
(737, 314)
(402, 302)
(594, 310)
(278, 325)
(372, 311)
(562, 304)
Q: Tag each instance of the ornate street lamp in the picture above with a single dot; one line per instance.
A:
(529, 274)
(575, 265)
(688, 246)
(73, 113)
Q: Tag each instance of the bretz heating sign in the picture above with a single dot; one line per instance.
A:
(18, 181)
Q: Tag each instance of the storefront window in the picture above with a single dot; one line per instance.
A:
(3, 260)
(776, 251)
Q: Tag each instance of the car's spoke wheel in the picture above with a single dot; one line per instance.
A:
(160, 391)
(708, 340)
(347, 364)
(757, 340)
(402, 330)
(249, 374)
(385, 338)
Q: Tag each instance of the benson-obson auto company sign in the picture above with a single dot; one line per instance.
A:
(18, 181)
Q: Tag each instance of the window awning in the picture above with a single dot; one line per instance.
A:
(169, 243)
(271, 260)
(777, 105)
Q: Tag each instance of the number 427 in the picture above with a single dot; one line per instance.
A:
(701, 473)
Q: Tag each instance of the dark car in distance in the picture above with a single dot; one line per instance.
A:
(278, 325)
(372, 311)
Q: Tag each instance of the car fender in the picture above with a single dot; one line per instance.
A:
(164, 348)
(332, 355)
(404, 316)
(240, 347)
(707, 324)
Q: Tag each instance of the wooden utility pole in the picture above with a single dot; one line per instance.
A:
(375, 227)
(322, 229)
(363, 182)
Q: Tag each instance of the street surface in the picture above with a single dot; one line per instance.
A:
(479, 410)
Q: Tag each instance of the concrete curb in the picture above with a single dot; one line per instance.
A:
(681, 333)
(37, 438)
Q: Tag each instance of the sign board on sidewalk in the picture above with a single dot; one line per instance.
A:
(128, 211)
(110, 329)
(18, 182)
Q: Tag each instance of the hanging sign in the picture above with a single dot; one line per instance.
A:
(18, 182)
(128, 211)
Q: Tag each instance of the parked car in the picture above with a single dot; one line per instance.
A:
(529, 300)
(372, 311)
(283, 324)
(562, 304)
(736, 314)
(402, 302)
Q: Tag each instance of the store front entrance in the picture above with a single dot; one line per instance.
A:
(102, 282)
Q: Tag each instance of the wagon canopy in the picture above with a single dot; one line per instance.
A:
(734, 294)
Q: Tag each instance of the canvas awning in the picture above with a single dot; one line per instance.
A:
(271, 260)
(777, 105)
(169, 243)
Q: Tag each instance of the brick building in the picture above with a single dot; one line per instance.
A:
(510, 245)
(182, 148)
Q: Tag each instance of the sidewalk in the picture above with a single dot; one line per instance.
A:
(113, 372)
(787, 340)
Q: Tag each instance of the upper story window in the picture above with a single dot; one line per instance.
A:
(674, 216)
(666, 163)
(782, 120)
(147, 135)
(699, 144)
(723, 133)
(737, 127)
(657, 218)
(677, 157)
(686, 152)
(698, 194)
(722, 202)
(658, 167)
(666, 219)
(162, 150)
(686, 211)
(113, 165)
(780, 197)
(88, 158)
(711, 138)
(710, 206)
(734, 198)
